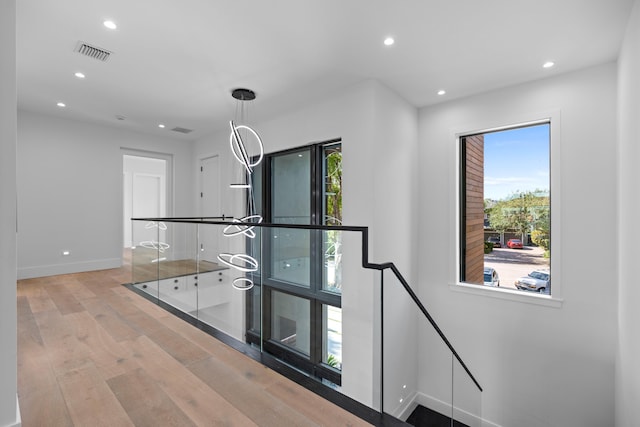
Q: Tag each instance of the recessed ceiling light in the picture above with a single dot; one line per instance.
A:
(61, 104)
(161, 126)
(442, 92)
(389, 41)
(79, 75)
(548, 64)
(110, 25)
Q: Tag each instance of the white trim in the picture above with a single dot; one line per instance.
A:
(169, 178)
(169, 187)
(518, 120)
(201, 161)
(406, 407)
(75, 267)
(507, 294)
(18, 420)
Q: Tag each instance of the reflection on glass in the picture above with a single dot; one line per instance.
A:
(291, 204)
(332, 339)
(256, 189)
(290, 185)
(332, 189)
(290, 321)
(255, 314)
(332, 215)
(290, 255)
(332, 253)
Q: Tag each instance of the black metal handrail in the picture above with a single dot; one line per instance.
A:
(224, 220)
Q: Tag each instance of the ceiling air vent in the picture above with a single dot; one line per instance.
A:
(92, 51)
(182, 130)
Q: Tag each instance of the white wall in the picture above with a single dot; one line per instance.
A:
(378, 132)
(70, 192)
(627, 367)
(540, 365)
(9, 415)
(395, 184)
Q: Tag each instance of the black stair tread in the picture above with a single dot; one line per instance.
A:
(425, 417)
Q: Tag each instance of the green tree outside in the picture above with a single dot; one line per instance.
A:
(522, 212)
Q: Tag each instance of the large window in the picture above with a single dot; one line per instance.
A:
(300, 285)
(505, 209)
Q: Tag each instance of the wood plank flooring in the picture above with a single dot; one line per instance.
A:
(93, 353)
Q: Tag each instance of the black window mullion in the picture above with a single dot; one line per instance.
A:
(316, 255)
(266, 314)
(315, 350)
(316, 189)
(316, 218)
(463, 207)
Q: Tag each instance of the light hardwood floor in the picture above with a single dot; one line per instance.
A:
(93, 353)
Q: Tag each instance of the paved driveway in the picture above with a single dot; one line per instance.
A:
(513, 263)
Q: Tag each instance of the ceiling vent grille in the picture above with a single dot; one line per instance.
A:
(182, 130)
(93, 51)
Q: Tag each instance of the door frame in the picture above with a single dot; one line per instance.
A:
(201, 182)
(170, 184)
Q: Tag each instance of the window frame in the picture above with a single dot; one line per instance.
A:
(315, 293)
(455, 284)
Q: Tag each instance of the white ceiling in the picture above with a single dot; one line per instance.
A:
(176, 62)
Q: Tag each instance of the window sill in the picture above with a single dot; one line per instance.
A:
(508, 294)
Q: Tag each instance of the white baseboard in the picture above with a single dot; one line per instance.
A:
(18, 417)
(76, 267)
(18, 421)
(405, 408)
(472, 420)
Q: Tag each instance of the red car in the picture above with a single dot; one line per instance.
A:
(514, 244)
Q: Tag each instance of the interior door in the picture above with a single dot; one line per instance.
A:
(145, 194)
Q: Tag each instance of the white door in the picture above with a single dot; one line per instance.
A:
(210, 206)
(145, 195)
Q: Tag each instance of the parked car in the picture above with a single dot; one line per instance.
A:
(536, 281)
(514, 243)
(495, 241)
(491, 277)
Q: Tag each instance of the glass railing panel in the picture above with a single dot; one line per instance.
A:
(290, 322)
(418, 366)
(412, 352)
(163, 262)
(303, 297)
(325, 328)
(254, 295)
(467, 398)
(332, 261)
(290, 256)
(146, 250)
(225, 279)
(332, 336)
(349, 317)
(178, 269)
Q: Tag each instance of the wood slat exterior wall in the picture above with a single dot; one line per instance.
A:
(474, 209)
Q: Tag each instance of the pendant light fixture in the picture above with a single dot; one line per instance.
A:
(240, 136)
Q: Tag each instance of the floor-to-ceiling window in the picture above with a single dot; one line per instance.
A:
(300, 283)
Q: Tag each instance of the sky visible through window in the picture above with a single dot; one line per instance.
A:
(516, 160)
